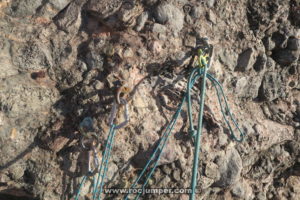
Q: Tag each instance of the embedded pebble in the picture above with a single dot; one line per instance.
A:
(167, 13)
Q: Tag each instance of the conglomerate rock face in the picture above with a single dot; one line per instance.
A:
(61, 62)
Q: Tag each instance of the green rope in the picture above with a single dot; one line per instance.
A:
(226, 111)
(198, 136)
(80, 187)
(157, 152)
(98, 183)
(104, 164)
(151, 165)
(195, 74)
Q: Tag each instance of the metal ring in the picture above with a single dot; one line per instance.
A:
(90, 137)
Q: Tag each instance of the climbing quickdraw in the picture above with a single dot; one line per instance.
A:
(98, 186)
(88, 142)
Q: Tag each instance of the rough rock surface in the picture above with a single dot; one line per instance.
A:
(62, 62)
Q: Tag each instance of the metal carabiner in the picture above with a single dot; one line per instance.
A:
(89, 142)
(205, 52)
(114, 113)
(92, 170)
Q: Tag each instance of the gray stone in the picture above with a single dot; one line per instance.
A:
(297, 134)
(228, 58)
(211, 3)
(270, 63)
(196, 12)
(212, 171)
(254, 85)
(222, 138)
(248, 87)
(16, 171)
(112, 170)
(94, 60)
(188, 19)
(293, 44)
(59, 4)
(205, 182)
(7, 68)
(141, 20)
(150, 2)
(82, 67)
(103, 8)
(260, 63)
(159, 28)
(261, 196)
(247, 127)
(167, 13)
(279, 39)
(31, 56)
(98, 85)
(270, 87)
(163, 183)
(166, 169)
(211, 16)
(23, 112)
(245, 60)
(142, 52)
(69, 19)
(52, 7)
(230, 168)
(190, 41)
(240, 85)
(295, 16)
(285, 57)
(24, 8)
(238, 190)
(176, 175)
(169, 154)
(269, 43)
